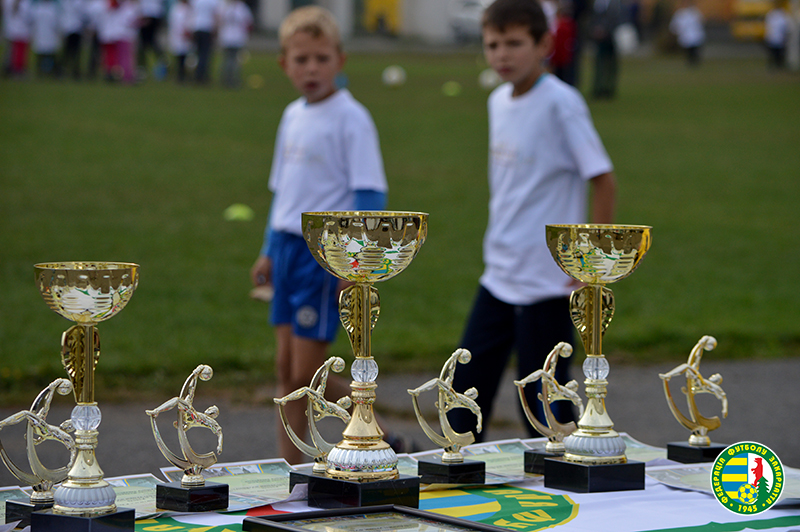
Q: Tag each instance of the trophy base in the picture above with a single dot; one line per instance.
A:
(120, 520)
(681, 451)
(435, 471)
(298, 477)
(583, 478)
(325, 492)
(21, 509)
(534, 460)
(173, 496)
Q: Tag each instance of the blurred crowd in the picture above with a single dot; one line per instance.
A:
(123, 40)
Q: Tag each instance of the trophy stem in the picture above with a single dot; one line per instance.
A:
(365, 345)
(87, 390)
(85, 492)
(596, 309)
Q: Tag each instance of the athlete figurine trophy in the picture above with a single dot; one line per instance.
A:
(86, 293)
(451, 468)
(554, 431)
(41, 479)
(192, 493)
(363, 248)
(594, 455)
(317, 408)
(699, 447)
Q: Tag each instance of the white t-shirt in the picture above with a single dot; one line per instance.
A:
(323, 153)
(687, 25)
(203, 14)
(46, 34)
(776, 28)
(179, 33)
(235, 19)
(16, 22)
(543, 149)
(152, 8)
(73, 16)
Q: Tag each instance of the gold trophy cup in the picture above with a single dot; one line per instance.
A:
(699, 448)
(85, 293)
(597, 255)
(192, 493)
(552, 390)
(363, 248)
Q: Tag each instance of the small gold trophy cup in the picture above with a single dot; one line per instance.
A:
(317, 408)
(85, 293)
(554, 431)
(594, 455)
(192, 493)
(41, 479)
(363, 248)
(699, 448)
(451, 468)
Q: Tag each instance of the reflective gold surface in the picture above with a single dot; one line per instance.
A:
(596, 254)
(554, 431)
(448, 399)
(86, 293)
(363, 248)
(189, 461)
(696, 384)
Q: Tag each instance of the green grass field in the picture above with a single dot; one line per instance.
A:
(709, 158)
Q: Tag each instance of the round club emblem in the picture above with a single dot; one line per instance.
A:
(747, 478)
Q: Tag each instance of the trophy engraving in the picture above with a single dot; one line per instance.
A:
(700, 447)
(554, 431)
(86, 293)
(41, 479)
(596, 255)
(181, 496)
(317, 408)
(363, 248)
(452, 468)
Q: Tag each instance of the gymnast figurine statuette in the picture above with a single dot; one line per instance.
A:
(699, 448)
(451, 468)
(551, 391)
(192, 493)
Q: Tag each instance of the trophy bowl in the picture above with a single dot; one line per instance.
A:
(597, 253)
(87, 292)
(365, 246)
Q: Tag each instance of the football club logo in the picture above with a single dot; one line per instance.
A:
(747, 478)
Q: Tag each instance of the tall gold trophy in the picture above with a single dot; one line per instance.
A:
(363, 248)
(85, 293)
(594, 455)
(699, 448)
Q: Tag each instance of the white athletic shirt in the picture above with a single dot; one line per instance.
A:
(179, 35)
(46, 32)
(323, 153)
(543, 149)
(203, 12)
(16, 22)
(687, 25)
(235, 19)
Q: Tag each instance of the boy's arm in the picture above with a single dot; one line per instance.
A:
(604, 194)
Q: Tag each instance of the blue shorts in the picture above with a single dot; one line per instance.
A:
(306, 296)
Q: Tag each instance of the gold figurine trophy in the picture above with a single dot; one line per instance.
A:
(594, 455)
(317, 408)
(554, 431)
(192, 493)
(363, 248)
(451, 468)
(699, 448)
(41, 479)
(85, 293)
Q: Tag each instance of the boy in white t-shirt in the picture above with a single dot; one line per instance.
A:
(327, 158)
(46, 36)
(180, 35)
(687, 25)
(234, 23)
(543, 153)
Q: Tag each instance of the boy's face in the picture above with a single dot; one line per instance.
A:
(515, 56)
(311, 64)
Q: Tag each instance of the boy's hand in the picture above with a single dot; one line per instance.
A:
(261, 272)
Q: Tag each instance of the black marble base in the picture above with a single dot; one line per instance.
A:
(534, 460)
(300, 477)
(121, 520)
(581, 478)
(681, 451)
(434, 471)
(173, 496)
(324, 492)
(21, 509)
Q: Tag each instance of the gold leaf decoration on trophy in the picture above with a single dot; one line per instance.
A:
(581, 305)
(72, 356)
(350, 307)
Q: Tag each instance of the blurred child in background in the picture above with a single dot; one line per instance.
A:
(180, 35)
(687, 25)
(73, 21)
(777, 25)
(46, 36)
(152, 13)
(16, 31)
(234, 23)
(564, 37)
